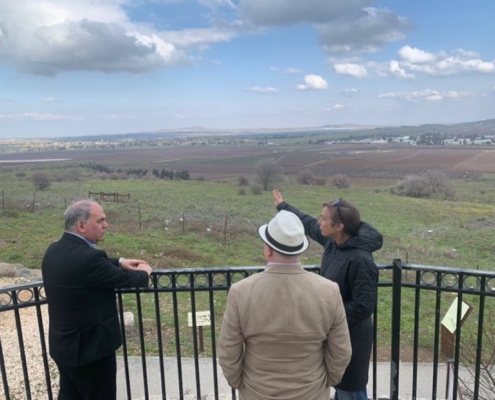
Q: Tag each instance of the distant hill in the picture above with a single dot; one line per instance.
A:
(485, 127)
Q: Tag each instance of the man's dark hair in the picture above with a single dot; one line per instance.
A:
(346, 213)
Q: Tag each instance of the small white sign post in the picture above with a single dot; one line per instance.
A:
(203, 318)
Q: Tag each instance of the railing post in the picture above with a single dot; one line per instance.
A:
(396, 310)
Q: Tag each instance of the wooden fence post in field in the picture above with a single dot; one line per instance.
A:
(31, 206)
(139, 215)
(225, 231)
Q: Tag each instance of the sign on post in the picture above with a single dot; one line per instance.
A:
(203, 318)
(449, 330)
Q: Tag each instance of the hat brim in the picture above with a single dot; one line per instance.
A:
(262, 233)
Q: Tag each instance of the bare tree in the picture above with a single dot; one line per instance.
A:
(468, 356)
(267, 175)
(41, 181)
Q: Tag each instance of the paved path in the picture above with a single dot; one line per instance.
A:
(424, 391)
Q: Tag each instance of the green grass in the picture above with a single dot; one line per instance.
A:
(178, 224)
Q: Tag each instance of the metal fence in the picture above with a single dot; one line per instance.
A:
(169, 354)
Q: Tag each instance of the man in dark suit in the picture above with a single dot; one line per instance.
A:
(80, 283)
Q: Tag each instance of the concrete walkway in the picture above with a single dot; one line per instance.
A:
(424, 390)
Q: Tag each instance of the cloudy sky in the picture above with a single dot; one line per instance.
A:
(82, 67)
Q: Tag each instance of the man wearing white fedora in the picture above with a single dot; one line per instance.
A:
(284, 332)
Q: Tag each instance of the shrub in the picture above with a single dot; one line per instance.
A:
(320, 181)
(341, 181)
(41, 181)
(256, 190)
(305, 177)
(20, 174)
(431, 183)
(243, 181)
(242, 192)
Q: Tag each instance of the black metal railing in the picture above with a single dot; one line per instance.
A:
(164, 349)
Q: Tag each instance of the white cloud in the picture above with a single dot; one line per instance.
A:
(355, 70)
(286, 12)
(313, 82)
(263, 89)
(274, 69)
(49, 99)
(52, 36)
(335, 107)
(413, 62)
(349, 92)
(217, 3)
(291, 70)
(396, 70)
(443, 64)
(426, 95)
(367, 32)
(46, 117)
(415, 55)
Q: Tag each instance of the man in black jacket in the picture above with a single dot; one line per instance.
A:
(80, 283)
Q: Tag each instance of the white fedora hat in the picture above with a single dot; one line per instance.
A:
(285, 234)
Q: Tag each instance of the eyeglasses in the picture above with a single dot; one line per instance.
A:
(336, 204)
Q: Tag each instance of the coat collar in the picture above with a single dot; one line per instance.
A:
(275, 268)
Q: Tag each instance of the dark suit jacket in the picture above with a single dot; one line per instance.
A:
(80, 284)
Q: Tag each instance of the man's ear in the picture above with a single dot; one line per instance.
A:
(81, 226)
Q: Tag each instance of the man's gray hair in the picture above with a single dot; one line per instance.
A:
(79, 211)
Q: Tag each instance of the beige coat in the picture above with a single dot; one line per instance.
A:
(284, 335)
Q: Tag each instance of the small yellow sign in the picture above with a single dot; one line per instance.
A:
(449, 321)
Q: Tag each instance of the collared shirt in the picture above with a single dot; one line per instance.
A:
(90, 244)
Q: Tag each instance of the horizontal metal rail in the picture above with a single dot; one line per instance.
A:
(418, 294)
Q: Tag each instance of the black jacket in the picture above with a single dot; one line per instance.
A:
(351, 266)
(80, 284)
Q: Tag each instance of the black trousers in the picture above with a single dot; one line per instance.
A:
(94, 381)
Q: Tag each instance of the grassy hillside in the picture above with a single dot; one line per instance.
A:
(193, 223)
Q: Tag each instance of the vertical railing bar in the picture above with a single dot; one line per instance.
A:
(479, 346)
(229, 284)
(44, 353)
(396, 315)
(4, 373)
(195, 335)
(159, 337)
(141, 340)
(177, 335)
(124, 345)
(436, 334)
(375, 350)
(21, 346)
(417, 296)
(213, 336)
(458, 323)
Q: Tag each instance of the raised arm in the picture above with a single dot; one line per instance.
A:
(311, 226)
